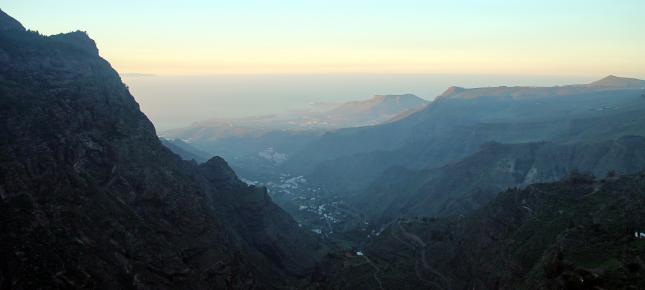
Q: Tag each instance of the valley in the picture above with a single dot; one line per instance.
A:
(496, 187)
(347, 184)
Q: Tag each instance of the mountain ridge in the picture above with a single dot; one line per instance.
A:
(576, 233)
(426, 135)
(607, 83)
(9, 23)
(472, 182)
(242, 140)
(615, 81)
(90, 198)
(410, 98)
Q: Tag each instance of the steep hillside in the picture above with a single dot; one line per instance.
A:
(184, 150)
(574, 234)
(458, 123)
(90, 198)
(239, 137)
(376, 110)
(471, 183)
(8, 23)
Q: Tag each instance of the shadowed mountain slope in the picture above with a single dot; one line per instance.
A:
(578, 233)
(290, 132)
(458, 123)
(90, 198)
(185, 150)
(471, 183)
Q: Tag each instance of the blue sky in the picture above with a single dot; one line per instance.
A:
(283, 36)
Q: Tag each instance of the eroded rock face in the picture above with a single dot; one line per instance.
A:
(89, 198)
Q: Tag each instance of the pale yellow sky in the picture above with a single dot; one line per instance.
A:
(546, 37)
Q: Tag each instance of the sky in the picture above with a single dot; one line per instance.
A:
(283, 36)
(191, 60)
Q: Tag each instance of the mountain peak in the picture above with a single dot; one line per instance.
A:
(9, 23)
(394, 97)
(375, 110)
(149, 203)
(78, 39)
(452, 91)
(615, 81)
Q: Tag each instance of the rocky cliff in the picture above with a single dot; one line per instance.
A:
(89, 197)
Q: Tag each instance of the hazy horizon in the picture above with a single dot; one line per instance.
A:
(177, 101)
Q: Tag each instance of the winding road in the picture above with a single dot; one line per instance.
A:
(420, 248)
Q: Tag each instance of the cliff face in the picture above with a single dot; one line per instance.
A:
(90, 198)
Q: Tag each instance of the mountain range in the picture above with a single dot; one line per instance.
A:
(451, 158)
(287, 133)
(470, 183)
(437, 160)
(457, 123)
(481, 188)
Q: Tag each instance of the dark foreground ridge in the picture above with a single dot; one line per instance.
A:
(579, 233)
(89, 197)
